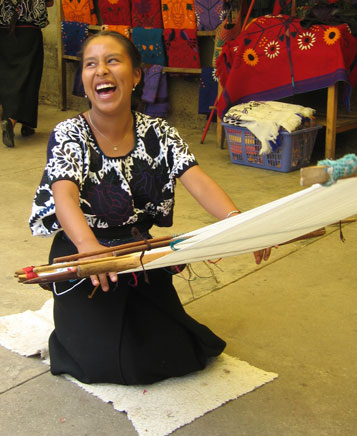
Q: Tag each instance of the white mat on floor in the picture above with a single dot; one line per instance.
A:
(154, 410)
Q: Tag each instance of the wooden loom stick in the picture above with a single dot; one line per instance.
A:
(316, 174)
(134, 249)
(54, 277)
(117, 264)
(123, 263)
(345, 221)
(53, 267)
(113, 249)
(144, 247)
(314, 234)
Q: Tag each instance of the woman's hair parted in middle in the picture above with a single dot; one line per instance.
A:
(134, 55)
(132, 51)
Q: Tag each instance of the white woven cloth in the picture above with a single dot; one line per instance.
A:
(154, 410)
(265, 118)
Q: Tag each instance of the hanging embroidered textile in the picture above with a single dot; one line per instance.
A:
(81, 11)
(152, 75)
(209, 14)
(159, 107)
(150, 44)
(146, 13)
(115, 12)
(73, 36)
(274, 57)
(182, 48)
(178, 14)
(123, 30)
(208, 90)
(226, 31)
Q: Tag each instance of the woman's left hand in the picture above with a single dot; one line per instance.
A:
(262, 254)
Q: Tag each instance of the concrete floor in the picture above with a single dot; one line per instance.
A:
(295, 315)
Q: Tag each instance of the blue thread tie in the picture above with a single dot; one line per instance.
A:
(173, 243)
(344, 167)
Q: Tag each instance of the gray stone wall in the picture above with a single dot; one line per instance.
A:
(49, 84)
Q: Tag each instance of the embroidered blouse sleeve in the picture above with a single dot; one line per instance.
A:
(65, 161)
(179, 156)
(65, 156)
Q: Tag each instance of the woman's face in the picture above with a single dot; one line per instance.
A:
(108, 75)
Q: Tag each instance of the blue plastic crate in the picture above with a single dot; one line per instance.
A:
(295, 150)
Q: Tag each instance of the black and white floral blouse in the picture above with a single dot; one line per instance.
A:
(114, 191)
(29, 12)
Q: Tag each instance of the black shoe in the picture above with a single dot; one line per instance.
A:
(27, 131)
(8, 133)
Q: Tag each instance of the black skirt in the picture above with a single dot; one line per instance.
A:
(136, 333)
(21, 68)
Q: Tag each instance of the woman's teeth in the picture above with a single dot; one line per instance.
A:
(105, 87)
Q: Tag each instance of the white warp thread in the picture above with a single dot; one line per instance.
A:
(154, 410)
(265, 226)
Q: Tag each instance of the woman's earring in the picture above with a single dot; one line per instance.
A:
(85, 96)
(134, 88)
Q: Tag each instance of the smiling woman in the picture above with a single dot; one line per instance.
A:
(110, 72)
(111, 174)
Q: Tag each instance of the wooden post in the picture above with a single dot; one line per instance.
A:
(220, 135)
(293, 8)
(331, 119)
(61, 63)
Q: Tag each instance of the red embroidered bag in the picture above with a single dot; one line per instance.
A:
(81, 11)
(115, 12)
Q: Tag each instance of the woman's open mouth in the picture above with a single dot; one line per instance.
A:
(105, 89)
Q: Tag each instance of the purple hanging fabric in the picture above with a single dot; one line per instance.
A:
(160, 107)
(152, 76)
(157, 110)
(209, 14)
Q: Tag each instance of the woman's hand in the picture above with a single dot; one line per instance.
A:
(262, 254)
(100, 279)
(214, 200)
(74, 224)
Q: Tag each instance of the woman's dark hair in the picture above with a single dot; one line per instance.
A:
(133, 53)
(130, 48)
